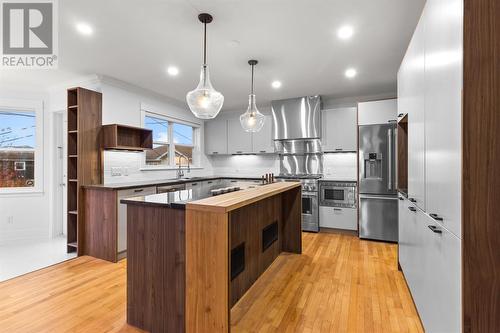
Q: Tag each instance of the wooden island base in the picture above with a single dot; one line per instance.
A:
(187, 268)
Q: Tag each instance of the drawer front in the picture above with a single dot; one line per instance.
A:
(338, 218)
(136, 192)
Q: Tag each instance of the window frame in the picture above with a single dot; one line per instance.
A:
(20, 105)
(171, 145)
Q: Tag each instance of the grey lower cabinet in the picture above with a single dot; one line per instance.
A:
(338, 218)
(429, 256)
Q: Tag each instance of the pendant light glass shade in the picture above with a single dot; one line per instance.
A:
(205, 102)
(252, 120)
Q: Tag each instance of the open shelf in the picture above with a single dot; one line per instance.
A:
(122, 137)
(403, 154)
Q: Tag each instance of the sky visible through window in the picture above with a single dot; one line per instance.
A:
(17, 129)
(182, 135)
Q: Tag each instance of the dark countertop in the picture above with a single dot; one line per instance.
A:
(130, 185)
(175, 200)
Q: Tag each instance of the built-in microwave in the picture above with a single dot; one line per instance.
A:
(337, 194)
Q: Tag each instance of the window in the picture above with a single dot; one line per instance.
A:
(183, 141)
(159, 155)
(17, 148)
(174, 143)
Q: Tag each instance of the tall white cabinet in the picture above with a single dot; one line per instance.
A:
(412, 103)
(429, 92)
(443, 111)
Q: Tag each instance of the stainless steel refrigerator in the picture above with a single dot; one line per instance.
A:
(378, 201)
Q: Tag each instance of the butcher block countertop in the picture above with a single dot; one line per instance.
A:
(234, 200)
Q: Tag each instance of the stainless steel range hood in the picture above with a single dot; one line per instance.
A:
(297, 118)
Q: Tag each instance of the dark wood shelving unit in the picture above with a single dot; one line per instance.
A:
(403, 154)
(123, 137)
(84, 158)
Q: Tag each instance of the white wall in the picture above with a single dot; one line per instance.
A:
(29, 211)
(122, 105)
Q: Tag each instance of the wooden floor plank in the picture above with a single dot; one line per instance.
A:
(338, 284)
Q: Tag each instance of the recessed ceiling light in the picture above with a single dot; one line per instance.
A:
(276, 84)
(84, 29)
(345, 32)
(350, 73)
(172, 70)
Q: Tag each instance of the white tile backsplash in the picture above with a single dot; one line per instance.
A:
(245, 165)
(341, 166)
(124, 167)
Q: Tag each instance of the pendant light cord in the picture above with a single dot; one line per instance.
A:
(205, 43)
(252, 79)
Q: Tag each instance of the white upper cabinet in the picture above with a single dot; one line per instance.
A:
(413, 102)
(238, 141)
(263, 140)
(443, 105)
(216, 136)
(339, 130)
(377, 112)
(224, 135)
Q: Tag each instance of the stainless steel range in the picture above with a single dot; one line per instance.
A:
(297, 129)
(310, 199)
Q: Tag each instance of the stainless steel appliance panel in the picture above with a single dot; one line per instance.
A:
(378, 217)
(377, 159)
(301, 165)
(297, 118)
(337, 194)
(310, 211)
(308, 146)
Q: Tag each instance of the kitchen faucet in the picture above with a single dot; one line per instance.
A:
(180, 172)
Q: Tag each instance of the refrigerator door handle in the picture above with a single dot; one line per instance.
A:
(389, 160)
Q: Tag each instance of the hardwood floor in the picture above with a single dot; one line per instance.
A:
(338, 284)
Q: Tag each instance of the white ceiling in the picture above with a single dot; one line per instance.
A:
(294, 40)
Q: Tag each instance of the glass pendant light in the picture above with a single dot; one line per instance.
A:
(252, 120)
(205, 102)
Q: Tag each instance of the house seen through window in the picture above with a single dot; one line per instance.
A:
(17, 148)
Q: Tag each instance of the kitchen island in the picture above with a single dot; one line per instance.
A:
(192, 257)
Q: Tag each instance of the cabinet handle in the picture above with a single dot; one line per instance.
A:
(262, 151)
(413, 209)
(435, 229)
(215, 152)
(392, 121)
(210, 182)
(239, 152)
(337, 209)
(194, 184)
(436, 217)
(412, 200)
(139, 190)
(338, 149)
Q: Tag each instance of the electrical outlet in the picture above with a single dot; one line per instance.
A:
(10, 219)
(125, 171)
(116, 171)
